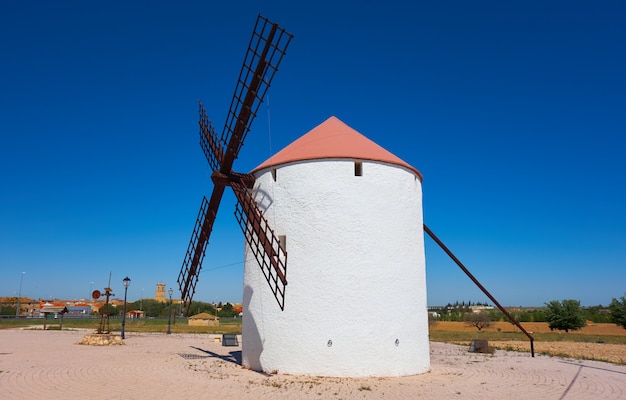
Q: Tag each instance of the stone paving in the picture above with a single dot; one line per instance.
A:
(36, 364)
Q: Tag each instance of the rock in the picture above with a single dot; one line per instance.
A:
(102, 339)
(479, 346)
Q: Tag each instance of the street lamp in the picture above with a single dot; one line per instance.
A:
(19, 297)
(169, 317)
(126, 283)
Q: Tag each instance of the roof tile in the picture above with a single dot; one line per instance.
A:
(333, 139)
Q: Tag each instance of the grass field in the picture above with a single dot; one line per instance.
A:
(132, 325)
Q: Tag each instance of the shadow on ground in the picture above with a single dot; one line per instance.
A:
(232, 357)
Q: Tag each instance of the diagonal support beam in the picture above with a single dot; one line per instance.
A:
(481, 287)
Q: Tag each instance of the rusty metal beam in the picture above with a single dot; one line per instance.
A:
(481, 287)
(246, 180)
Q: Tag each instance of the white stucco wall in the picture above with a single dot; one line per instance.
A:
(355, 270)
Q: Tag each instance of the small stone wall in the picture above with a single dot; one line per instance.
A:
(103, 339)
(204, 322)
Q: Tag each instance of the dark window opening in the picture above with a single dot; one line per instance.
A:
(358, 168)
(274, 174)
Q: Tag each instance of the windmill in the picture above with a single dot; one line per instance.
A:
(265, 51)
(351, 214)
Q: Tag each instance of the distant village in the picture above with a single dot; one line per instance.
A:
(29, 308)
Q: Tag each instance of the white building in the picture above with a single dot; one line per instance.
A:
(355, 304)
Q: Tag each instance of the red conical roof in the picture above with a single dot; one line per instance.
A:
(333, 139)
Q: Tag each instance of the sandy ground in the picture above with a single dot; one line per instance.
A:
(51, 365)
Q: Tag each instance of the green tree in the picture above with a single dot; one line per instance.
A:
(153, 308)
(8, 309)
(524, 316)
(539, 315)
(113, 310)
(598, 314)
(228, 311)
(566, 315)
(197, 307)
(618, 311)
(496, 315)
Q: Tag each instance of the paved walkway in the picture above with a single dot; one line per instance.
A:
(37, 364)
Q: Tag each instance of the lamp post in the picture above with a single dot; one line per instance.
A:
(169, 316)
(126, 283)
(19, 297)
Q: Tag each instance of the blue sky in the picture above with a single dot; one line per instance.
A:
(514, 114)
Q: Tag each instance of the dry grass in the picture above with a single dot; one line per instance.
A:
(603, 342)
(504, 327)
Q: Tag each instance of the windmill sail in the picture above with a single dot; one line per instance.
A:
(192, 264)
(265, 245)
(211, 146)
(265, 51)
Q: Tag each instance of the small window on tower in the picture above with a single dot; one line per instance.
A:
(283, 241)
(274, 174)
(358, 168)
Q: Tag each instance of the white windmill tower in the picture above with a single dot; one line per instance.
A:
(349, 214)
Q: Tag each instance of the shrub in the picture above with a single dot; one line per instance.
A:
(618, 311)
(565, 315)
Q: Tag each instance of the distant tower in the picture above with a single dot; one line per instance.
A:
(160, 292)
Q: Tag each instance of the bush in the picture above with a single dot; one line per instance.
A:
(618, 311)
(565, 316)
